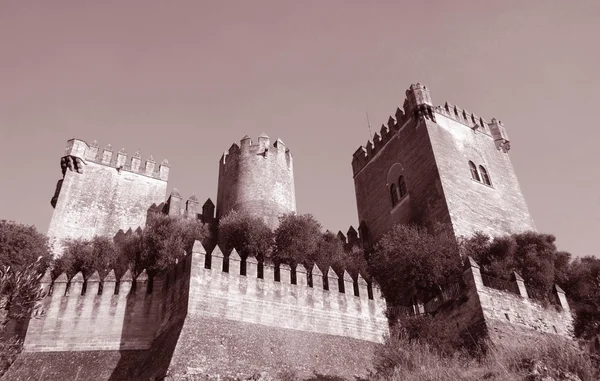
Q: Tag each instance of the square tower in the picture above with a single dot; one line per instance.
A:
(438, 164)
(101, 193)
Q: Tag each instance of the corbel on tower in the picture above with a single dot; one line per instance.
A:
(499, 134)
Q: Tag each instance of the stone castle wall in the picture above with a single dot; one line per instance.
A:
(215, 322)
(111, 314)
(101, 193)
(479, 311)
(258, 179)
(250, 325)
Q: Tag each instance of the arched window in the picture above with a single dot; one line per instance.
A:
(394, 194)
(402, 187)
(484, 175)
(474, 173)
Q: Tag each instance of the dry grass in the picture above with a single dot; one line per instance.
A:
(401, 359)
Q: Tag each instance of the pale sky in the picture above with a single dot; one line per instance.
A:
(183, 80)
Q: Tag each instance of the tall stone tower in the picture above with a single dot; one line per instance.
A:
(101, 192)
(438, 164)
(257, 179)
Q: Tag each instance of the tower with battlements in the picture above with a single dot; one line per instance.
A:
(438, 164)
(257, 178)
(102, 192)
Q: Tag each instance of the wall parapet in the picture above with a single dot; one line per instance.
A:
(498, 299)
(127, 313)
(78, 153)
(418, 104)
(297, 300)
(262, 148)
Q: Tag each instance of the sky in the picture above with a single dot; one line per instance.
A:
(183, 80)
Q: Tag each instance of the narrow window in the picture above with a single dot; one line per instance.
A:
(484, 175)
(402, 187)
(474, 173)
(394, 194)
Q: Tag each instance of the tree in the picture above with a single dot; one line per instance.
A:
(20, 294)
(164, 240)
(86, 256)
(583, 290)
(412, 261)
(297, 239)
(22, 245)
(533, 255)
(248, 234)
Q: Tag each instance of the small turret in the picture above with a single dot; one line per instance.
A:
(208, 211)
(174, 203)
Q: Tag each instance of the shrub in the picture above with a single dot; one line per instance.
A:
(164, 240)
(22, 245)
(413, 261)
(86, 255)
(297, 239)
(402, 358)
(249, 235)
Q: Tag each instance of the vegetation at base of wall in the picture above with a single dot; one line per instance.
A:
(10, 347)
(407, 359)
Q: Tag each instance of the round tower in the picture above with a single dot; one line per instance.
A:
(257, 179)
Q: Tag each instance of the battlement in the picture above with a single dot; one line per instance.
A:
(488, 303)
(262, 147)
(78, 153)
(418, 105)
(116, 313)
(190, 209)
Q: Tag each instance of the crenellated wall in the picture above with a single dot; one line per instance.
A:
(202, 305)
(247, 298)
(483, 307)
(101, 192)
(108, 314)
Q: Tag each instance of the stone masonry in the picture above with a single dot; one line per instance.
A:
(211, 315)
(101, 192)
(431, 147)
(246, 323)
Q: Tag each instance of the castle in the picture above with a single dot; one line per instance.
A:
(428, 164)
